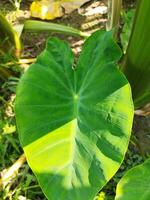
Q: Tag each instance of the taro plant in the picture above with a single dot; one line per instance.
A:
(75, 123)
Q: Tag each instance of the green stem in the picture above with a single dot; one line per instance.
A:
(39, 26)
(136, 63)
(22, 61)
(114, 9)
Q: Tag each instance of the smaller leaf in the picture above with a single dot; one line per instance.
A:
(135, 184)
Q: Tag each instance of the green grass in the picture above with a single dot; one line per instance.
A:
(23, 186)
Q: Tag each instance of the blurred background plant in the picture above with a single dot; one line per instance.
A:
(16, 4)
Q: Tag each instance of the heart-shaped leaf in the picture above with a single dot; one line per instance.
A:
(75, 124)
(135, 184)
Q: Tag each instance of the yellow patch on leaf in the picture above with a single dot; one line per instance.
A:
(46, 9)
(51, 9)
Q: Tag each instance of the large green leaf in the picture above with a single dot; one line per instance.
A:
(135, 184)
(75, 124)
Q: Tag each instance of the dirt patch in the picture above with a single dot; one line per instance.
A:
(141, 130)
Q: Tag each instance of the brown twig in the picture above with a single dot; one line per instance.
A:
(8, 174)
